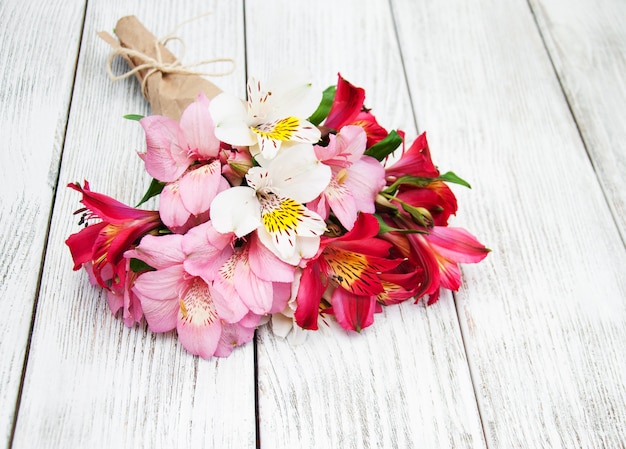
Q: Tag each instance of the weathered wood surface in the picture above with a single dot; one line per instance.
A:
(543, 317)
(531, 351)
(587, 44)
(36, 76)
(90, 381)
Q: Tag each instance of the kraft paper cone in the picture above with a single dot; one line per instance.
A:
(168, 93)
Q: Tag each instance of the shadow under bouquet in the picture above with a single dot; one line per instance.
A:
(286, 207)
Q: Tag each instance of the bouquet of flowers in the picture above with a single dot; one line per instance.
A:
(285, 207)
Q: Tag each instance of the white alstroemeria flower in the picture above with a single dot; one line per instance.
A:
(272, 204)
(275, 114)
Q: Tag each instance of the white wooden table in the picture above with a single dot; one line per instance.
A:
(525, 99)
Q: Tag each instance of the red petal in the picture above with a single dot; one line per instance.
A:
(109, 209)
(353, 312)
(346, 106)
(309, 295)
(81, 244)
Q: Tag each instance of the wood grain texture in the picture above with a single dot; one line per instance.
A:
(90, 381)
(35, 90)
(404, 382)
(543, 316)
(587, 43)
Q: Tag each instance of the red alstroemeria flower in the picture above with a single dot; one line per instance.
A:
(350, 265)
(435, 197)
(347, 109)
(103, 244)
(415, 161)
(436, 255)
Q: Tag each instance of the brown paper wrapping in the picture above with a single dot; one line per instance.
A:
(168, 93)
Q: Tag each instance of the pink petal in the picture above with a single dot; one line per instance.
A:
(353, 312)
(159, 252)
(207, 250)
(266, 265)
(456, 244)
(233, 335)
(198, 187)
(199, 326)
(365, 179)
(166, 158)
(171, 208)
(342, 204)
(256, 294)
(162, 285)
(197, 126)
(228, 303)
(282, 293)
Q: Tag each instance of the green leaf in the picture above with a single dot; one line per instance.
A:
(138, 266)
(324, 108)
(135, 117)
(155, 188)
(385, 147)
(453, 178)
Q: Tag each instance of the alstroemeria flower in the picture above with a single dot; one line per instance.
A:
(103, 244)
(351, 266)
(347, 109)
(275, 113)
(356, 178)
(415, 161)
(185, 155)
(246, 272)
(172, 298)
(273, 204)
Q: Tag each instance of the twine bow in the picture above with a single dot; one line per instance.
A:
(158, 65)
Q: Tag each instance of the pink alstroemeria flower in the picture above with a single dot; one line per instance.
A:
(100, 247)
(185, 155)
(172, 298)
(350, 266)
(244, 271)
(356, 178)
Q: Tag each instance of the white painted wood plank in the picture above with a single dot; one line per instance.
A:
(90, 381)
(587, 42)
(403, 382)
(36, 75)
(544, 315)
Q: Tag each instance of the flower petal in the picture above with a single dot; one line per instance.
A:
(353, 312)
(166, 158)
(296, 173)
(266, 265)
(233, 335)
(199, 327)
(236, 210)
(308, 298)
(231, 120)
(159, 252)
(199, 187)
(456, 244)
(173, 212)
(292, 94)
(197, 126)
(206, 251)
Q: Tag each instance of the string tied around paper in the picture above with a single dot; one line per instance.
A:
(154, 65)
